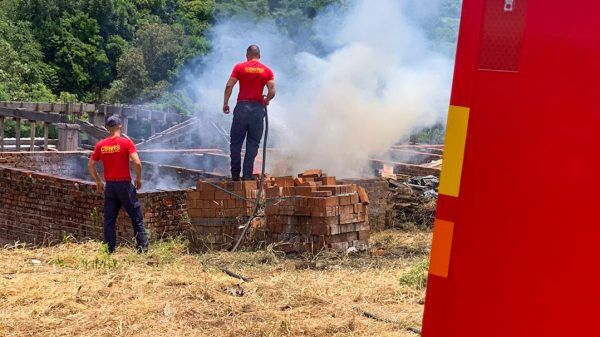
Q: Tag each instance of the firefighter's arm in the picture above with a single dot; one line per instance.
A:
(137, 169)
(271, 92)
(228, 90)
(95, 175)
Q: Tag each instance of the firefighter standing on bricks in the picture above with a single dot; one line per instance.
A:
(249, 112)
(115, 153)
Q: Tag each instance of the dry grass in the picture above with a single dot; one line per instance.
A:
(79, 290)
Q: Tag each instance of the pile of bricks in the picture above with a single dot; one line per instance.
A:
(215, 215)
(379, 196)
(313, 212)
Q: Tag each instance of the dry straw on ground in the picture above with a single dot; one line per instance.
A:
(75, 289)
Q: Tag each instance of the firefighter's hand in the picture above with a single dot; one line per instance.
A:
(138, 183)
(100, 186)
(226, 108)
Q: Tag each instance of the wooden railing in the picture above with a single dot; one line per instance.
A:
(73, 113)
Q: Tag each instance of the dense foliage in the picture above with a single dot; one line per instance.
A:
(127, 51)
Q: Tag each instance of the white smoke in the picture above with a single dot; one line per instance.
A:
(378, 80)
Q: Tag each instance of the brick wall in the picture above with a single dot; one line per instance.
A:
(57, 163)
(42, 208)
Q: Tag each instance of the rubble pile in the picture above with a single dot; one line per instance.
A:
(413, 201)
(313, 212)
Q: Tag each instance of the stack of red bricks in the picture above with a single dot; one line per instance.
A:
(379, 196)
(216, 215)
(313, 212)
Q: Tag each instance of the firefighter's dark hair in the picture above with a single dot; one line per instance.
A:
(253, 51)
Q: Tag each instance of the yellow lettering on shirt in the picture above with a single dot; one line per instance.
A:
(254, 70)
(110, 149)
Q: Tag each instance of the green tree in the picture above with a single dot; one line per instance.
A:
(114, 17)
(75, 49)
(22, 71)
(160, 44)
(133, 78)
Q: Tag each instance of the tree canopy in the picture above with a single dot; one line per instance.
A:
(128, 51)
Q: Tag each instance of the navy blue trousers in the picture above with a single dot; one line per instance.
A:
(122, 194)
(248, 124)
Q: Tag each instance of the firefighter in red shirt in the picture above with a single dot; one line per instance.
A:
(115, 153)
(249, 112)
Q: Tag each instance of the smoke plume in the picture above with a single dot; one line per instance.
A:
(366, 78)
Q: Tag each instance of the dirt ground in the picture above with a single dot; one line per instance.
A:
(76, 289)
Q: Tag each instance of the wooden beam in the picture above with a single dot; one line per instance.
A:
(31, 135)
(1, 134)
(45, 136)
(18, 134)
(33, 115)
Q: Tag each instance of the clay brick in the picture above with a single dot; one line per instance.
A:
(271, 210)
(304, 190)
(287, 191)
(250, 194)
(325, 212)
(287, 181)
(302, 211)
(334, 189)
(344, 237)
(298, 181)
(363, 216)
(250, 184)
(331, 201)
(346, 209)
(203, 186)
(346, 218)
(321, 194)
(196, 213)
(274, 192)
(328, 180)
(207, 195)
(364, 235)
(362, 195)
(359, 208)
(345, 200)
(300, 201)
(324, 221)
(312, 173)
(193, 195)
(347, 228)
(286, 210)
(220, 195)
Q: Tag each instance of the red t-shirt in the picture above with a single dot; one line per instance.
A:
(114, 153)
(253, 77)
